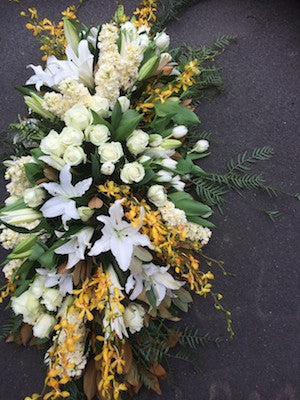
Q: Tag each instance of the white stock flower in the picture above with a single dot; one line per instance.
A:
(162, 40)
(74, 155)
(97, 134)
(52, 144)
(119, 236)
(33, 197)
(134, 317)
(132, 172)
(179, 131)
(71, 136)
(44, 326)
(110, 152)
(124, 103)
(156, 194)
(52, 299)
(53, 278)
(152, 277)
(100, 105)
(62, 203)
(201, 146)
(76, 246)
(137, 141)
(78, 117)
(107, 168)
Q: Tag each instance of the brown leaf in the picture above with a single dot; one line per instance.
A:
(43, 180)
(177, 156)
(132, 376)
(76, 274)
(159, 371)
(10, 338)
(50, 173)
(186, 103)
(89, 266)
(95, 202)
(26, 333)
(33, 341)
(62, 269)
(127, 357)
(164, 313)
(83, 271)
(167, 70)
(173, 338)
(89, 380)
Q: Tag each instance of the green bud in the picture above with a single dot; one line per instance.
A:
(170, 144)
(17, 217)
(85, 213)
(149, 68)
(71, 34)
(118, 14)
(35, 103)
(25, 245)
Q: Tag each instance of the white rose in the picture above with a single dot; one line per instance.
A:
(162, 40)
(27, 305)
(37, 287)
(168, 163)
(110, 152)
(74, 155)
(97, 134)
(163, 176)
(155, 140)
(132, 172)
(179, 131)
(52, 144)
(35, 196)
(124, 103)
(201, 146)
(71, 136)
(134, 317)
(157, 195)
(107, 168)
(100, 105)
(44, 326)
(85, 213)
(52, 299)
(177, 183)
(137, 141)
(78, 116)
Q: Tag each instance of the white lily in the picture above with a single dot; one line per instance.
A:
(62, 204)
(153, 277)
(78, 67)
(119, 236)
(75, 248)
(53, 278)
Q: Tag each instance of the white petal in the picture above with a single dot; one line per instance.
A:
(54, 207)
(53, 188)
(81, 187)
(122, 250)
(72, 260)
(67, 248)
(100, 246)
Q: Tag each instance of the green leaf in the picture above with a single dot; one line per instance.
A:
(127, 125)
(152, 299)
(22, 288)
(48, 259)
(18, 205)
(33, 172)
(36, 154)
(180, 304)
(180, 115)
(25, 245)
(101, 121)
(116, 115)
(23, 269)
(37, 251)
(189, 206)
(96, 174)
(149, 175)
(149, 67)
(178, 196)
(200, 221)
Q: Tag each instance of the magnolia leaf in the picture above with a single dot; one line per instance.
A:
(127, 125)
(184, 295)
(181, 305)
(100, 121)
(83, 271)
(76, 274)
(95, 202)
(89, 380)
(26, 333)
(34, 172)
(152, 299)
(116, 115)
(62, 268)
(164, 313)
(127, 357)
(159, 371)
(96, 168)
(50, 173)
(180, 115)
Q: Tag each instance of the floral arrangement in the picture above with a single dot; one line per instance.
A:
(107, 213)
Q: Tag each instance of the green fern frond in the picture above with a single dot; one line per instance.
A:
(190, 337)
(258, 154)
(11, 327)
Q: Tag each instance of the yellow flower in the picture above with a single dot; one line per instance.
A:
(33, 397)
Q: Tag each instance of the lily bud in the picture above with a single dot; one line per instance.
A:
(71, 35)
(35, 103)
(171, 144)
(179, 131)
(18, 217)
(149, 68)
(155, 140)
(201, 146)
